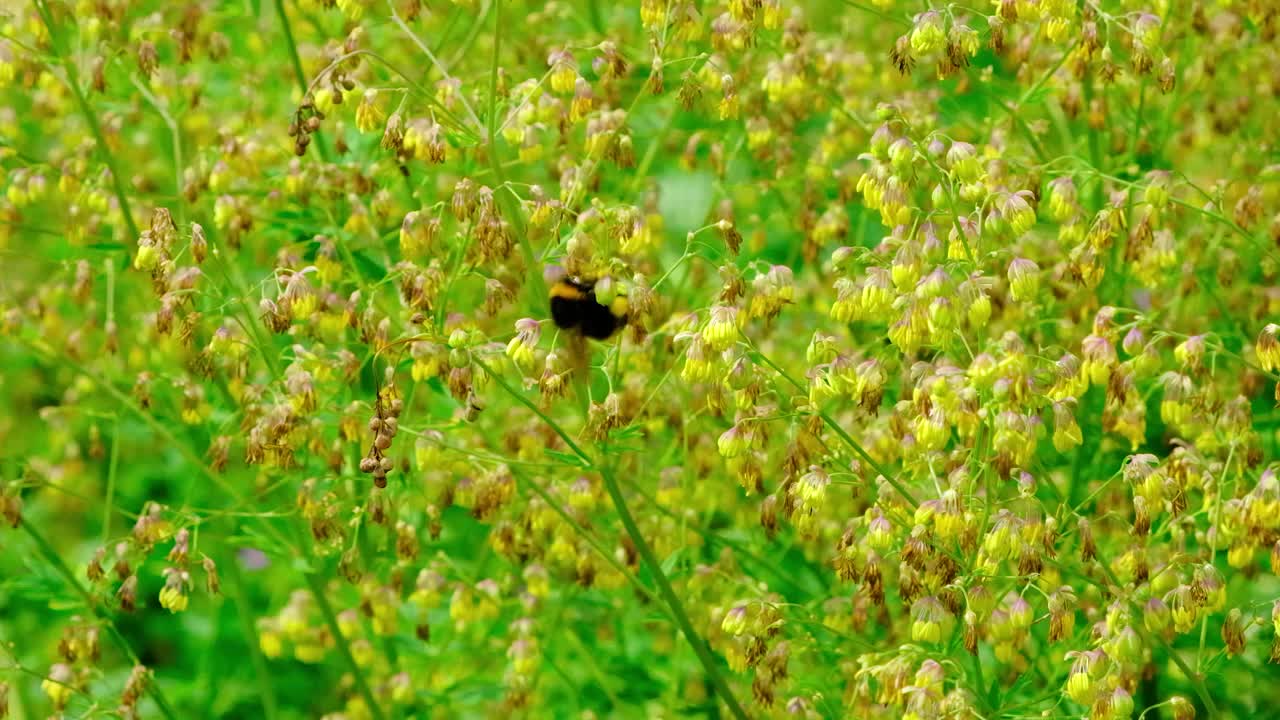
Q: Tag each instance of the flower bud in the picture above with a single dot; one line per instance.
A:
(1024, 279)
(1267, 347)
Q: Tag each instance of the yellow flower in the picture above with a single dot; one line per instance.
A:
(57, 686)
(564, 71)
(521, 347)
(369, 115)
(927, 36)
(721, 329)
(1024, 279)
(270, 642)
(173, 596)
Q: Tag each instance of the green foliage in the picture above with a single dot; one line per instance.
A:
(948, 384)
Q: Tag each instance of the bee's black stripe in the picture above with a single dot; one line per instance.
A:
(574, 306)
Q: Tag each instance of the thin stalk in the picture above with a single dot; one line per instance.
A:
(1213, 548)
(652, 152)
(1196, 680)
(231, 272)
(492, 117)
(429, 97)
(158, 427)
(1095, 149)
(586, 536)
(669, 596)
(113, 466)
(1137, 122)
(468, 40)
(331, 620)
(712, 537)
(1045, 77)
(299, 74)
(175, 136)
(109, 266)
(845, 437)
(1021, 124)
(250, 630)
(53, 558)
(444, 72)
(73, 81)
(871, 10)
(507, 196)
(162, 431)
(593, 668)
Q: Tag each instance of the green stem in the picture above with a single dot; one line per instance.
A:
(73, 82)
(1044, 78)
(175, 136)
(161, 430)
(1137, 122)
(444, 71)
(507, 196)
(54, 559)
(652, 152)
(1020, 123)
(298, 73)
(250, 630)
(845, 437)
(331, 620)
(232, 274)
(1197, 682)
(1095, 149)
(491, 118)
(296, 60)
(737, 548)
(673, 602)
(113, 466)
(878, 13)
(668, 594)
(1213, 548)
(593, 668)
(585, 534)
(437, 107)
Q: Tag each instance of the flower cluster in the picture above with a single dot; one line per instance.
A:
(944, 379)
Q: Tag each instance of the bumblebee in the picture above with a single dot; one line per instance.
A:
(574, 306)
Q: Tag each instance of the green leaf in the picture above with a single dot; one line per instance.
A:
(565, 458)
(669, 563)
(368, 267)
(630, 432)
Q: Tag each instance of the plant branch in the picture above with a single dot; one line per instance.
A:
(1196, 680)
(668, 594)
(245, 613)
(51, 555)
(673, 602)
(845, 437)
(296, 60)
(72, 80)
(340, 640)
(462, 96)
(506, 196)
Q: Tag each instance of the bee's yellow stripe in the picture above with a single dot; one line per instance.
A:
(566, 291)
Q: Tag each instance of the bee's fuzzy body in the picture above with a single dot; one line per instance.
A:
(574, 307)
